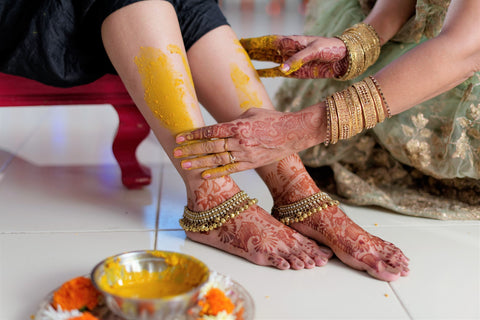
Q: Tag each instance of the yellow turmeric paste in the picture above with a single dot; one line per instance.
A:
(169, 94)
(179, 276)
(247, 96)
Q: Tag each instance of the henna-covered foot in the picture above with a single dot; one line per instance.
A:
(353, 245)
(290, 182)
(254, 234)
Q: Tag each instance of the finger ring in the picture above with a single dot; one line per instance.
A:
(232, 158)
(225, 145)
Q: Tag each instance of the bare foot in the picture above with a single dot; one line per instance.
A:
(254, 234)
(355, 247)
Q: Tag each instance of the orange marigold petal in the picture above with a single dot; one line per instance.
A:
(217, 301)
(76, 294)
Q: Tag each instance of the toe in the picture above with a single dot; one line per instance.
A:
(307, 260)
(278, 262)
(296, 263)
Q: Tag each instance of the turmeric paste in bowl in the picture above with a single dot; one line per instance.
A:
(150, 285)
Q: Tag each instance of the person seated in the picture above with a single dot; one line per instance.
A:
(172, 56)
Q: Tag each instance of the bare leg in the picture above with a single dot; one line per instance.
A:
(287, 179)
(144, 43)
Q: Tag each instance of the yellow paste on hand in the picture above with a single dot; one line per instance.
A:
(169, 94)
(180, 276)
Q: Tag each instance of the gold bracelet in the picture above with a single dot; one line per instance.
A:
(333, 120)
(363, 49)
(355, 111)
(327, 134)
(302, 209)
(368, 106)
(389, 113)
(358, 107)
(215, 217)
(345, 126)
(377, 100)
(372, 46)
(356, 57)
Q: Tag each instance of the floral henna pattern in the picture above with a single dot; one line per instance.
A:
(272, 132)
(354, 246)
(211, 193)
(259, 238)
(289, 181)
(322, 62)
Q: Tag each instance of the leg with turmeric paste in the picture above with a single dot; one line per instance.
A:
(228, 94)
(144, 43)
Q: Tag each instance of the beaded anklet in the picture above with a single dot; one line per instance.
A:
(215, 217)
(302, 209)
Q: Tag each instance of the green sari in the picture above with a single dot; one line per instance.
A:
(423, 162)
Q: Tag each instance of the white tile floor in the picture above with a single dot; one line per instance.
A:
(63, 208)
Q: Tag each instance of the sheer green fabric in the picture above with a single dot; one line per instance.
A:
(423, 162)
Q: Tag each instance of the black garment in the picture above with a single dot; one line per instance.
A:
(58, 42)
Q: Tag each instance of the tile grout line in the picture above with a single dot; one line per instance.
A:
(400, 300)
(157, 218)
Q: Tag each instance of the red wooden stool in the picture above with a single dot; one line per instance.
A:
(132, 128)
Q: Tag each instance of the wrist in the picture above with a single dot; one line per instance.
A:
(314, 130)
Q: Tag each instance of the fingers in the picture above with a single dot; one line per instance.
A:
(209, 161)
(271, 73)
(216, 131)
(201, 147)
(228, 169)
(263, 48)
(323, 50)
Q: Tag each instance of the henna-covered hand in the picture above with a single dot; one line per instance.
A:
(301, 57)
(257, 138)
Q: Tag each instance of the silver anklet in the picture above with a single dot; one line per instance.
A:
(202, 221)
(302, 209)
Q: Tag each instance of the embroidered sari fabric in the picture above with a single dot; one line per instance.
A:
(423, 162)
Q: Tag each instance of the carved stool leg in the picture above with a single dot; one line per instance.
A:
(132, 130)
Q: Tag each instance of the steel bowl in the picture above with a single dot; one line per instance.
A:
(176, 277)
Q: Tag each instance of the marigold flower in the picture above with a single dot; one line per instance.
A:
(216, 301)
(78, 293)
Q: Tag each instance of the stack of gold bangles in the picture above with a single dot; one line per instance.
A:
(215, 217)
(360, 106)
(363, 48)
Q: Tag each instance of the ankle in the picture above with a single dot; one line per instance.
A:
(206, 194)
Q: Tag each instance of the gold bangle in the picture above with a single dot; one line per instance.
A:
(355, 57)
(355, 111)
(327, 134)
(387, 108)
(302, 209)
(377, 100)
(371, 43)
(215, 217)
(345, 128)
(368, 107)
(333, 121)
(363, 49)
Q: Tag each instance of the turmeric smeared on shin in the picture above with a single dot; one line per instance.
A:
(247, 96)
(168, 92)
